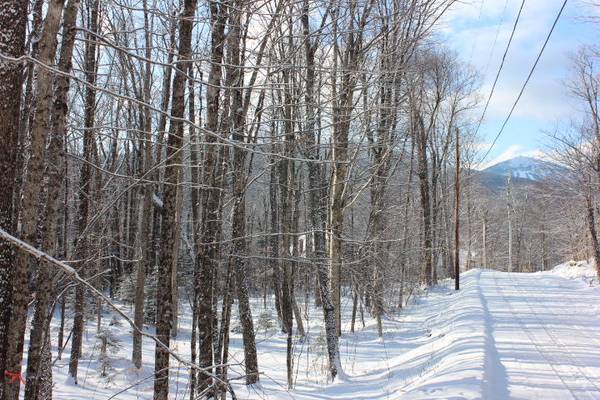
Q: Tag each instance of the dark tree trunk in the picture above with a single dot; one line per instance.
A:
(48, 225)
(286, 195)
(145, 217)
(235, 79)
(13, 22)
(274, 236)
(423, 174)
(591, 220)
(208, 248)
(81, 246)
(32, 191)
(195, 198)
(164, 295)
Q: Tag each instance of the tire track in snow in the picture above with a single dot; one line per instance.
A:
(557, 344)
(495, 382)
(551, 361)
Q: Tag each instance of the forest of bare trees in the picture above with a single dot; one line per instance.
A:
(214, 156)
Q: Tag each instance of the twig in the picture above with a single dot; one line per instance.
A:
(72, 273)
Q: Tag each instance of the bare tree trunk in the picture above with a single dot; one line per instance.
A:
(354, 309)
(164, 296)
(342, 110)
(13, 22)
(484, 241)
(235, 79)
(591, 220)
(223, 340)
(44, 386)
(509, 217)
(381, 153)
(457, 217)
(81, 247)
(407, 202)
(317, 208)
(175, 259)
(32, 190)
(274, 235)
(296, 252)
(423, 174)
(286, 194)
(145, 217)
(27, 105)
(195, 198)
(208, 248)
(39, 337)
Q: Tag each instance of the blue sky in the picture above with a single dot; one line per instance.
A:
(472, 28)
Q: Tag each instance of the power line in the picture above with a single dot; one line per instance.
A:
(475, 41)
(493, 49)
(539, 56)
(512, 34)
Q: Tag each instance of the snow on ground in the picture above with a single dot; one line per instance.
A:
(502, 336)
(583, 270)
(546, 336)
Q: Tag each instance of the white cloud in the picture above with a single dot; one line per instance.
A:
(511, 152)
(479, 30)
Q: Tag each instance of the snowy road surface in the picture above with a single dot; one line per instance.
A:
(546, 335)
(502, 336)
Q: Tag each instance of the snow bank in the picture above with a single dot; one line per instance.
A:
(435, 349)
(454, 362)
(582, 270)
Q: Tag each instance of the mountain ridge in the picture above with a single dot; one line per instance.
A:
(528, 168)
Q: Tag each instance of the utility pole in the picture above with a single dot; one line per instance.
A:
(508, 208)
(544, 247)
(484, 234)
(456, 217)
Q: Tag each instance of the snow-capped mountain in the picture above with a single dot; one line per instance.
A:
(527, 168)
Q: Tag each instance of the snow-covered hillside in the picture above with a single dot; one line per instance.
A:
(527, 168)
(502, 336)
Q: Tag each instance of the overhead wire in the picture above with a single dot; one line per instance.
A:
(510, 39)
(531, 71)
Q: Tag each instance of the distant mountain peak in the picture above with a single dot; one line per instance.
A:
(529, 168)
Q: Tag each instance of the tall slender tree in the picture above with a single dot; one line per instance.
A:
(55, 166)
(13, 23)
(164, 296)
(32, 190)
(85, 182)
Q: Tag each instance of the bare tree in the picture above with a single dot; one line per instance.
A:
(169, 232)
(39, 339)
(31, 196)
(85, 184)
(13, 23)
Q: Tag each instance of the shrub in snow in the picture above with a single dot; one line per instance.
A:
(319, 344)
(317, 349)
(266, 321)
(108, 344)
(235, 327)
(126, 290)
(115, 321)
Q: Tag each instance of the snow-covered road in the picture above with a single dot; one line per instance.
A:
(503, 336)
(546, 335)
